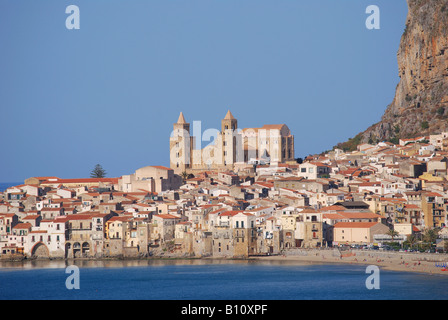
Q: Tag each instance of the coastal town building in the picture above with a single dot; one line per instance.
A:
(237, 209)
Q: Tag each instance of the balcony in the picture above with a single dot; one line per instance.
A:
(222, 225)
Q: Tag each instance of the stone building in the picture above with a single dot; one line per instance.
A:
(244, 234)
(232, 147)
(150, 178)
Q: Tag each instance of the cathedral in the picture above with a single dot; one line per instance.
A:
(231, 148)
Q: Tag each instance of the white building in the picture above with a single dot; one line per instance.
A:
(314, 170)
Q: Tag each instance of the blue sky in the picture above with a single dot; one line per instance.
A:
(109, 92)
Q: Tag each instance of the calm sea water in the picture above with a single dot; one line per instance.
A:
(6, 185)
(199, 280)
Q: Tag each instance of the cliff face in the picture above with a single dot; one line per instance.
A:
(420, 105)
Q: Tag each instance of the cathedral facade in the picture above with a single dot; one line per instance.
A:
(231, 148)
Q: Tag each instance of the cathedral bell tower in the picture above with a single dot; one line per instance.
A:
(180, 146)
(229, 137)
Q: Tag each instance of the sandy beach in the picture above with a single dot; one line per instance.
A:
(397, 261)
(428, 263)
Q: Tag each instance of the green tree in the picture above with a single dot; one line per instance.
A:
(184, 176)
(430, 236)
(411, 241)
(98, 172)
(394, 140)
(392, 233)
(425, 125)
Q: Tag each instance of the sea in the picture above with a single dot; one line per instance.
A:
(210, 280)
(6, 185)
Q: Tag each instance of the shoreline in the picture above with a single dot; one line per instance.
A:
(393, 261)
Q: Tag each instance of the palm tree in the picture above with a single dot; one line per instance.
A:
(392, 233)
(430, 236)
(412, 240)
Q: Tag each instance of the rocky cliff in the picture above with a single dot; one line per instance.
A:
(420, 105)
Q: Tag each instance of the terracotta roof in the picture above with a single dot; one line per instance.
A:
(81, 180)
(411, 206)
(80, 216)
(230, 213)
(24, 225)
(162, 167)
(166, 216)
(332, 216)
(119, 218)
(332, 208)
